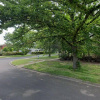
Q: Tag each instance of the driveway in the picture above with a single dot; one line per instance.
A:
(21, 84)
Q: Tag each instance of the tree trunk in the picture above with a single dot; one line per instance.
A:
(88, 54)
(83, 55)
(68, 54)
(49, 51)
(49, 54)
(75, 60)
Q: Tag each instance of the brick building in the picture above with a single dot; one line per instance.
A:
(2, 46)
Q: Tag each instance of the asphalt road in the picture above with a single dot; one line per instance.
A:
(21, 84)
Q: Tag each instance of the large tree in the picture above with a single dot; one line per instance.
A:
(20, 39)
(70, 20)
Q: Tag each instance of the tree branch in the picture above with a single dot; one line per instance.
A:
(94, 18)
(83, 22)
(67, 41)
(85, 39)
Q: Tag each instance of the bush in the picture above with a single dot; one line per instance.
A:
(38, 52)
(64, 56)
(12, 53)
(78, 65)
(90, 59)
(86, 58)
(24, 51)
(5, 49)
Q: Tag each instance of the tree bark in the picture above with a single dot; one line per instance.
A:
(49, 51)
(49, 54)
(75, 60)
(88, 54)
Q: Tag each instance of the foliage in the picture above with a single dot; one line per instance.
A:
(73, 21)
(5, 49)
(21, 39)
(11, 53)
(38, 52)
(0, 54)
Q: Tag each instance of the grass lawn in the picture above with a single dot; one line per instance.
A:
(46, 57)
(19, 55)
(2, 56)
(16, 56)
(30, 60)
(28, 56)
(24, 61)
(88, 72)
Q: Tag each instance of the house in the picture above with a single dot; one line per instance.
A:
(33, 50)
(2, 46)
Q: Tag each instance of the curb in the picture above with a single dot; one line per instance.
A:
(60, 77)
(66, 78)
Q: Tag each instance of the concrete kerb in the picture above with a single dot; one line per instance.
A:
(66, 78)
(20, 66)
(10, 63)
(60, 77)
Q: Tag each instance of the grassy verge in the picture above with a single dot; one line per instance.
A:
(30, 60)
(24, 61)
(19, 56)
(2, 56)
(46, 57)
(38, 57)
(88, 72)
(16, 56)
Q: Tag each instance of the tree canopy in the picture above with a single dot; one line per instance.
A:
(73, 21)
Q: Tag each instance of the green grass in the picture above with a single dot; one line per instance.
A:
(2, 56)
(19, 55)
(16, 56)
(24, 61)
(30, 60)
(30, 55)
(46, 57)
(88, 72)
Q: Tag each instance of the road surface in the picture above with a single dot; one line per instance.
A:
(21, 84)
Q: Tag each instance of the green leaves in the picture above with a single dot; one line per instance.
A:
(73, 22)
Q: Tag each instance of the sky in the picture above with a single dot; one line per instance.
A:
(2, 41)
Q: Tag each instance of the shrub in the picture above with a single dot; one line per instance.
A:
(38, 52)
(0, 54)
(5, 49)
(64, 56)
(12, 53)
(78, 65)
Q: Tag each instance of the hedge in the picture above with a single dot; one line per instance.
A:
(12, 53)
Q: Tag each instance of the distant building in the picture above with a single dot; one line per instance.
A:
(2, 46)
(35, 50)
(32, 50)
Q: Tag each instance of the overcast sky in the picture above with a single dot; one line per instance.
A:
(2, 41)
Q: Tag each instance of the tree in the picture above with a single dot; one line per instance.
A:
(5, 49)
(96, 41)
(70, 20)
(46, 42)
(21, 39)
